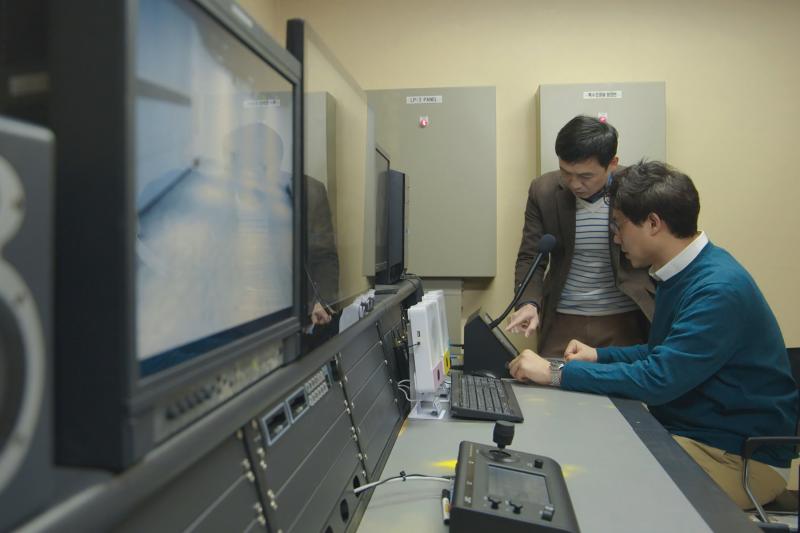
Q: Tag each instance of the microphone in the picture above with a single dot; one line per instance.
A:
(546, 244)
(485, 346)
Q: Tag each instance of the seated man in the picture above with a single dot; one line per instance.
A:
(715, 368)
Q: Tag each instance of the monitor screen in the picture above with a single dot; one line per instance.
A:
(381, 211)
(395, 229)
(517, 486)
(213, 192)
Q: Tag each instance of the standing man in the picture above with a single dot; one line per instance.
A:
(589, 292)
(715, 369)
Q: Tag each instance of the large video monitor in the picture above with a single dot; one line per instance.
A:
(178, 217)
(396, 228)
(381, 213)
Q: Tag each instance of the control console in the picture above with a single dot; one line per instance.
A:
(497, 489)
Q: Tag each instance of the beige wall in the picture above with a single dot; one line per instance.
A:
(731, 73)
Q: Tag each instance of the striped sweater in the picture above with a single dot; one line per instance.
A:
(590, 288)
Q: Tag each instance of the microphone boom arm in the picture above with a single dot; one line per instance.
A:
(546, 244)
(522, 286)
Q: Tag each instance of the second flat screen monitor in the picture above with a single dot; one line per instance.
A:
(381, 212)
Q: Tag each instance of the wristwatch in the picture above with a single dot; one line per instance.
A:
(555, 372)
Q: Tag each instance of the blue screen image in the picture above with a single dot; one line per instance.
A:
(213, 189)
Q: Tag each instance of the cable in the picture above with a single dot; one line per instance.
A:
(403, 477)
(404, 386)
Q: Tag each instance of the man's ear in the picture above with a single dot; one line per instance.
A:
(612, 165)
(655, 224)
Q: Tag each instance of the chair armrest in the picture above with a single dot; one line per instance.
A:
(751, 444)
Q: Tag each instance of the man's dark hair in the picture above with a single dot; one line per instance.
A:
(655, 187)
(583, 138)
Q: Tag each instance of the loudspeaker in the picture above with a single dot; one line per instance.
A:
(26, 264)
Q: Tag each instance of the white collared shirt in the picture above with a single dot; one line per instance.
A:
(682, 260)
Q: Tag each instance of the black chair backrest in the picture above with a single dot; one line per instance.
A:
(794, 361)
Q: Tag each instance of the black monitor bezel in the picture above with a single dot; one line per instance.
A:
(396, 227)
(382, 267)
(99, 386)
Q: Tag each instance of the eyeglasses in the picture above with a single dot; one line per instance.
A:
(614, 227)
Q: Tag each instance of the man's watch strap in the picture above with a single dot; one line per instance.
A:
(555, 372)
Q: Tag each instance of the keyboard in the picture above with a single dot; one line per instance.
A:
(482, 398)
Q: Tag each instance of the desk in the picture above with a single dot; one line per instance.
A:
(619, 478)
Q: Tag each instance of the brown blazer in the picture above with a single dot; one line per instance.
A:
(551, 209)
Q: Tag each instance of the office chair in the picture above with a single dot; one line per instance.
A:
(785, 501)
(750, 445)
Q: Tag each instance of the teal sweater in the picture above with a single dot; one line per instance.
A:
(715, 368)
